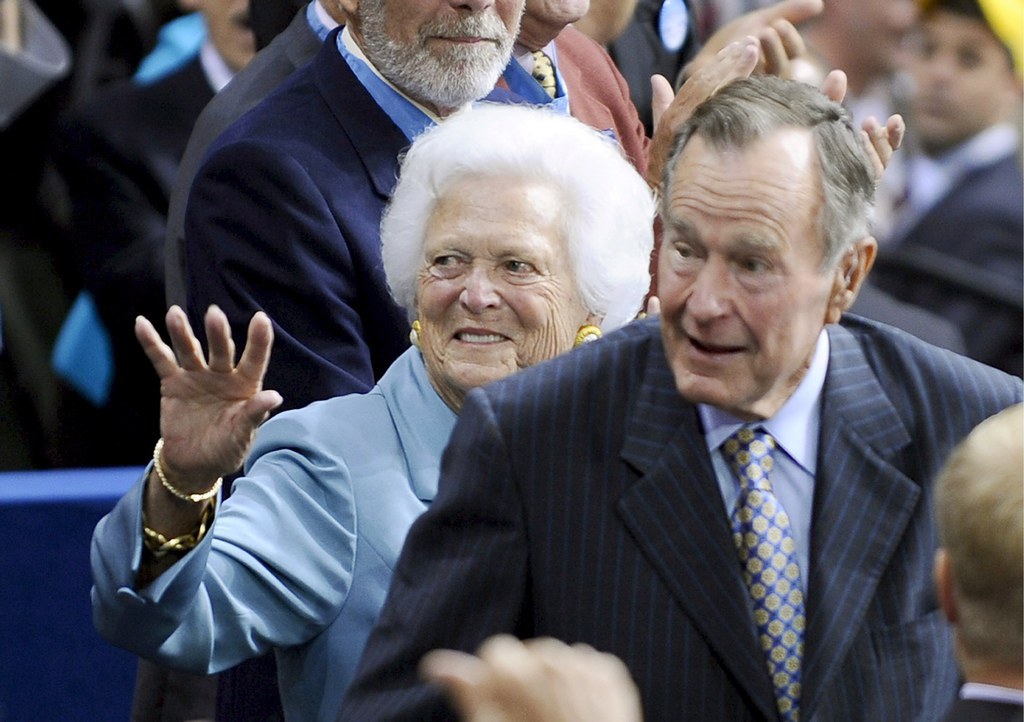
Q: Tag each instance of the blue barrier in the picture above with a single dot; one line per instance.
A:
(53, 664)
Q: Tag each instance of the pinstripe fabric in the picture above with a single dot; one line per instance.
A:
(578, 500)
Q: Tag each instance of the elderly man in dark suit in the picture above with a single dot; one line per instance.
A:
(736, 499)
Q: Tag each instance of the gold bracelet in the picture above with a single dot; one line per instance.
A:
(158, 467)
(160, 546)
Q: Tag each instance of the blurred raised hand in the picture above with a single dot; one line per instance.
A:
(541, 680)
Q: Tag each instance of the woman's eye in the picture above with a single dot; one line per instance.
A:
(519, 267)
(447, 266)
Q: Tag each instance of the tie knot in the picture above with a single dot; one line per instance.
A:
(544, 72)
(749, 453)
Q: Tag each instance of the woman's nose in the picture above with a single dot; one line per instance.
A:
(480, 291)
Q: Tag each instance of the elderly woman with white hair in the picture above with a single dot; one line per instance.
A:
(513, 235)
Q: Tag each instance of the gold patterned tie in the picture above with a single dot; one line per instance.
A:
(544, 72)
(764, 542)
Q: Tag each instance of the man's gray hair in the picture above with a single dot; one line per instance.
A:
(608, 210)
(750, 109)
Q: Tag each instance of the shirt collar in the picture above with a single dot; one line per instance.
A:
(320, 20)
(986, 147)
(991, 693)
(217, 72)
(410, 116)
(524, 56)
(930, 178)
(795, 425)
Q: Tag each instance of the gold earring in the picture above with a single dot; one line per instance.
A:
(586, 334)
(414, 334)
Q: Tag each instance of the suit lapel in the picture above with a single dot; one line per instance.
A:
(299, 41)
(862, 504)
(675, 513)
(376, 139)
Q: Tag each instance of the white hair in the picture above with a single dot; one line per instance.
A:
(609, 209)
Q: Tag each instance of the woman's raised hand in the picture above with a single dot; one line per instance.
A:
(209, 409)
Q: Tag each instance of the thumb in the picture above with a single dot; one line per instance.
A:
(256, 409)
(661, 97)
(460, 674)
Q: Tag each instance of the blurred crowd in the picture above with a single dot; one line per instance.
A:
(90, 157)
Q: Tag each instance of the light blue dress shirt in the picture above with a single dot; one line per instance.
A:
(795, 427)
(412, 118)
(300, 556)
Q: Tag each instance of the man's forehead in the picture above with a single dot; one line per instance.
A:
(352, 6)
(782, 162)
(770, 187)
(784, 145)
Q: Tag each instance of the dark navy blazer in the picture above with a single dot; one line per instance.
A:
(284, 217)
(294, 47)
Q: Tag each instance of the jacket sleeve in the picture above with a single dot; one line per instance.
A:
(273, 572)
(260, 234)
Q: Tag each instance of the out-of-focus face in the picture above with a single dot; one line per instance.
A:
(965, 82)
(443, 53)
(227, 22)
(879, 30)
(743, 295)
(497, 292)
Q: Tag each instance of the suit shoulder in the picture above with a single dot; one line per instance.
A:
(271, 67)
(572, 41)
(136, 121)
(598, 371)
(323, 424)
(908, 366)
(186, 86)
(293, 109)
(993, 193)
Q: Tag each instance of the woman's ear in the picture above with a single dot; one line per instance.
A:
(850, 274)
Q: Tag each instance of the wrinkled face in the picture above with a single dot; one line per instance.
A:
(442, 53)
(743, 296)
(227, 22)
(965, 82)
(496, 292)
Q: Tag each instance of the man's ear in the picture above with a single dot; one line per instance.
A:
(849, 276)
(341, 10)
(944, 585)
(344, 12)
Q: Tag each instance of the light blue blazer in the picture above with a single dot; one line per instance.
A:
(300, 556)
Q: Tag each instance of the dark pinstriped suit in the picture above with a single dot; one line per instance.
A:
(578, 500)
